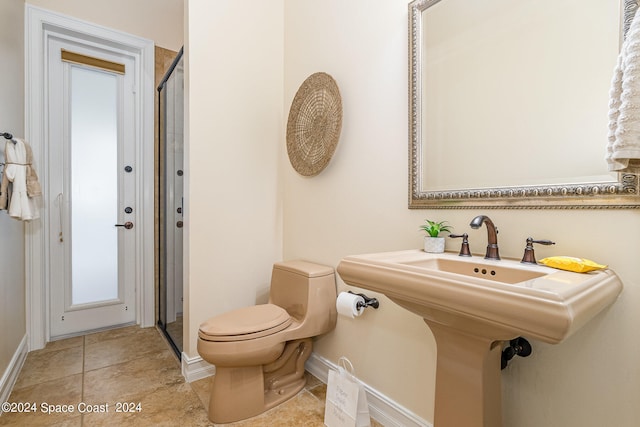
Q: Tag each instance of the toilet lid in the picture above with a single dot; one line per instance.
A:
(246, 323)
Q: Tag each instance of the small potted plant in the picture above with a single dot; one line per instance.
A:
(433, 243)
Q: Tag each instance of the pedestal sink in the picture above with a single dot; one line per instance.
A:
(472, 305)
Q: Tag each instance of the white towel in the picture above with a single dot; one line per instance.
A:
(21, 206)
(623, 149)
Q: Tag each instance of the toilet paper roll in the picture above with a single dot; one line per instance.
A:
(347, 305)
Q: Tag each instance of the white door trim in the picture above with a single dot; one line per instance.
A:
(39, 26)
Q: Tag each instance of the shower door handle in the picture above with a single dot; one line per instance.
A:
(128, 225)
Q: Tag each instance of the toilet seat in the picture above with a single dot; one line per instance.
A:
(245, 323)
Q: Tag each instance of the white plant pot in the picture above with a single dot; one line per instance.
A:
(434, 245)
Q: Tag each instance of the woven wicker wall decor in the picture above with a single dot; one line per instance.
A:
(314, 124)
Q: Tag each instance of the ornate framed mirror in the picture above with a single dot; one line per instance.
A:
(508, 104)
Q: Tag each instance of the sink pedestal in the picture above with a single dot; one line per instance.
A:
(467, 379)
(472, 305)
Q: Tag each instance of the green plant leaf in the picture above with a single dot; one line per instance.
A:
(433, 228)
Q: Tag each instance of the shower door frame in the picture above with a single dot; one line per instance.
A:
(40, 26)
(167, 215)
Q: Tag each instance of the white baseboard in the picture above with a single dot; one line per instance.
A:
(10, 375)
(381, 408)
(195, 368)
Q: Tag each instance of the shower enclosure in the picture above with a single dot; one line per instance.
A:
(170, 201)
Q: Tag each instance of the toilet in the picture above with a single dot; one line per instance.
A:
(259, 352)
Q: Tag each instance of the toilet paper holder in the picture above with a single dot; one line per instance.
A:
(368, 302)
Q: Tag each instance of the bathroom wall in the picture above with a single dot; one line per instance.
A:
(233, 128)
(12, 255)
(359, 205)
(158, 20)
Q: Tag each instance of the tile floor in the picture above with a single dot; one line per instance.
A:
(132, 365)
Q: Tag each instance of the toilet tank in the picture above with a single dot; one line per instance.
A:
(307, 291)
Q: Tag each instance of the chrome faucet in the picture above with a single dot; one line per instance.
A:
(492, 235)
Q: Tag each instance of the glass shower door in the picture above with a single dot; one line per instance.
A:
(171, 169)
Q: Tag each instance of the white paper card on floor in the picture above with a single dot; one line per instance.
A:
(346, 404)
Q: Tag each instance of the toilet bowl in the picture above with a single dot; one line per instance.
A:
(259, 352)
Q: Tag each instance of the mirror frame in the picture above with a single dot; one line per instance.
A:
(623, 194)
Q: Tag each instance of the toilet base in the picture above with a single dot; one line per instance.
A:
(238, 393)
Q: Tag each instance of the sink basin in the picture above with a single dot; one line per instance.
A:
(496, 273)
(501, 299)
(471, 306)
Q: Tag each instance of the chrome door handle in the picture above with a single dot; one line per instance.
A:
(128, 225)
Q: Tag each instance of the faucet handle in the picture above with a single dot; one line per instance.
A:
(464, 249)
(529, 256)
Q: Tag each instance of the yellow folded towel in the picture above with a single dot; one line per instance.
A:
(578, 265)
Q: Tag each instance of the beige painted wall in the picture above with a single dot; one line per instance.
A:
(359, 204)
(12, 258)
(233, 224)
(158, 20)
